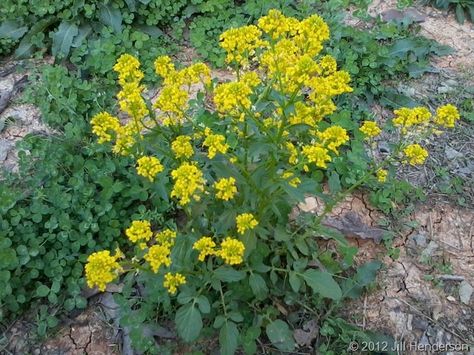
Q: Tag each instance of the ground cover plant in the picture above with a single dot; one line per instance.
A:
(233, 172)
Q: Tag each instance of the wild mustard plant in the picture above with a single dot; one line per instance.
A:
(235, 171)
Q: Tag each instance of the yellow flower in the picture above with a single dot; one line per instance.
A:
(139, 231)
(232, 251)
(149, 167)
(173, 100)
(127, 67)
(447, 116)
(241, 43)
(230, 98)
(103, 124)
(189, 182)
(182, 147)
(311, 33)
(172, 282)
(226, 189)
(205, 246)
(245, 221)
(317, 155)
(333, 137)
(215, 143)
(292, 179)
(164, 66)
(251, 79)
(131, 100)
(277, 25)
(125, 138)
(158, 255)
(196, 73)
(382, 175)
(166, 237)
(408, 117)
(415, 154)
(293, 159)
(101, 269)
(370, 129)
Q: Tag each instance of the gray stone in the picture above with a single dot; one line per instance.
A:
(452, 153)
(5, 147)
(465, 292)
(420, 240)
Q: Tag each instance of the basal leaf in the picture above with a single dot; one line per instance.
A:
(63, 38)
(323, 283)
(188, 322)
(280, 335)
(12, 29)
(228, 338)
(111, 16)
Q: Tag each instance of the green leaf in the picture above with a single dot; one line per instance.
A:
(188, 322)
(42, 291)
(280, 335)
(63, 38)
(25, 48)
(460, 14)
(111, 16)
(258, 286)
(323, 283)
(12, 29)
(295, 281)
(84, 31)
(203, 304)
(131, 5)
(334, 182)
(228, 274)
(228, 338)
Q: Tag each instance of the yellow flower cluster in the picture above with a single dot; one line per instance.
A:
(276, 25)
(231, 98)
(130, 97)
(173, 98)
(408, 117)
(182, 147)
(446, 116)
(382, 175)
(241, 43)
(166, 237)
(205, 246)
(333, 137)
(188, 182)
(415, 154)
(370, 129)
(317, 155)
(172, 282)
(149, 167)
(232, 251)
(103, 124)
(245, 221)
(293, 159)
(101, 269)
(215, 143)
(158, 255)
(226, 188)
(292, 179)
(139, 232)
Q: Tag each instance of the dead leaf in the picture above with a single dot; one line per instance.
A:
(351, 225)
(304, 337)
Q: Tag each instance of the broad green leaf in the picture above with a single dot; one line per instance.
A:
(111, 16)
(228, 274)
(63, 38)
(84, 32)
(188, 322)
(295, 281)
(323, 283)
(280, 335)
(228, 338)
(334, 182)
(258, 286)
(131, 5)
(25, 48)
(12, 29)
(203, 304)
(460, 14)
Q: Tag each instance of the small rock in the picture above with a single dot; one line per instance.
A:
(465, 292)
(429, 250)
(420, 240)
(5, 147)
(451, 299)
(309, 204)
(445, 89)
(452, 153)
